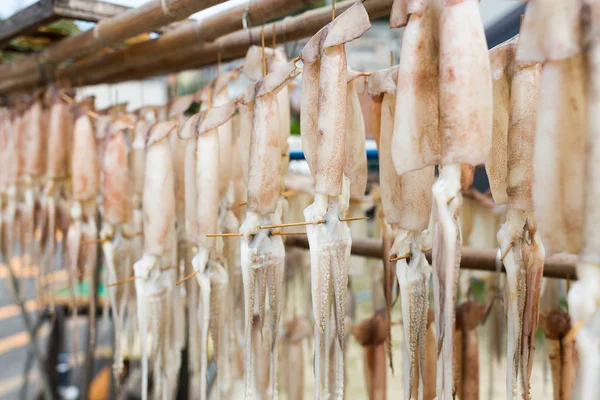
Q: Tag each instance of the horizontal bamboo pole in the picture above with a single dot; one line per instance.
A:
(556, 266)
(151, 15)
(235, 45)
(203, 30)
(229, 47)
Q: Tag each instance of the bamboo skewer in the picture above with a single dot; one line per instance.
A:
(190, 276)
(122, 281)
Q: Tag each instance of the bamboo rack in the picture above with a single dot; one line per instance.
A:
(195, 54)
(39, 68)
(556, 266)
(204, 30)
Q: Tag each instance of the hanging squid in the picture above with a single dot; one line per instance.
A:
(406, 201)
(565, 157)
(34, 167)
(202, 213)
(463, 137)
(152, 286)
(82, 232)
(516, 90)
(323, 122)
(115, 189)
(262, 252)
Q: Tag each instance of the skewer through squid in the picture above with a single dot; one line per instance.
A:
(323, 121)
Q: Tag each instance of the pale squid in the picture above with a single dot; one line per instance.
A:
(82, 232)
(263, 253)
(516, 93)
(202, 212)
(34, 167)
(323, 122)
(151, 284)
(565, 158)
(463, 136)
(115, 189)
(406, 201)
(56, 190)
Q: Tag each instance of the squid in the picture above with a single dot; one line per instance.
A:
(323, 120)
(179, 248)
(82, 232)
(55, 192)
(15, 133)
(262, 253)
(134, 227)
(34, 167)
(151, 284)
(406, 201)
(461, 135)
(297, 330)
(202, 212)
(371, 334)
(565, 156)
(469, 315)
(584, 295)
(115, 187)
(516, 91)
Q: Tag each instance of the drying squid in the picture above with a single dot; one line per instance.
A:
(562, 354)
(516, 90)
(371, 334)
(151, 284)
(202, 212)
(584, 296)
(115, 186)
(565, 157)
(406, 201)
(263, 253)
(464, 137)
(466, 349)
(34, 168)
(323, 119)
(55, 194)
(82, 231)
(134, 227)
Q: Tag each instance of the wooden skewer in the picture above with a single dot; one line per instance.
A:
(291, 224)
(274, 36)
(332, 10)
(570, 336)
(223, 234)
(289, 193)
(426, 250)
(353, 219)
(288, 233)
(130, 279)
(243, 203)
(169, 268)
(402, 257)
(506, 252)
(295, 60)
(190, 276)
(70, 100)
(264, 59)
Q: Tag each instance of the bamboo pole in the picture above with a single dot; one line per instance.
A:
(233, 45)
(556, 266)
(151, 15)
(230, 47)
(205, 30)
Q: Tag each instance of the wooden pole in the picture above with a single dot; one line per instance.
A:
(233, 45)
(204, 30)
(151, 15)
(230, 46)
(556, 266)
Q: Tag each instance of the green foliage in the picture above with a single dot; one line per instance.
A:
(295, 125)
